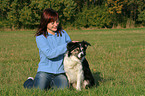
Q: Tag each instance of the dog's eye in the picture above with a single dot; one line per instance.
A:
(76, 50)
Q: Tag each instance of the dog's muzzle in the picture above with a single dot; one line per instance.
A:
(80, 55)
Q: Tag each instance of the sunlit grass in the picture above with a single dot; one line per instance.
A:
(116, 58)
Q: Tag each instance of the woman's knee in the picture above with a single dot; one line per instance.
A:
(60, 81)
(42, 80)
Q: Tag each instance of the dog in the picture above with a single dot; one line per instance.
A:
(76, 66)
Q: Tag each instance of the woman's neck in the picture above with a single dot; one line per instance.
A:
(51, 32)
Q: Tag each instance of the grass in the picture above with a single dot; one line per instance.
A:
(116, 58)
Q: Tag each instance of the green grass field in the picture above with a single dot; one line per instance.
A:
(116, 58)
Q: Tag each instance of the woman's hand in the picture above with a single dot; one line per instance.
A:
(75, 41)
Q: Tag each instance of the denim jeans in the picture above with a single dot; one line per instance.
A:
(45, 80)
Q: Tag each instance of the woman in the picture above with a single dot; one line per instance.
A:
(51, 41)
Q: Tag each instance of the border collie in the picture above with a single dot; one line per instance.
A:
(77, 67)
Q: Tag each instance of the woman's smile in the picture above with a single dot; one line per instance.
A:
(52, 27)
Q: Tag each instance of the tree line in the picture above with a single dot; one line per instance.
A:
(17, 14)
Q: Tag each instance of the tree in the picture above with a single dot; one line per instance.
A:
(4, 8)
(141, 11)
(115, 7)
(83, 13)
(26, 13)
(141, 17)
(13, 14)
(94, 17)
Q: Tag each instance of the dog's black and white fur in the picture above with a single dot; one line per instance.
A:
(76, 66)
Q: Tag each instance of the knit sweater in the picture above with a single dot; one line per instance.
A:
(51, 51)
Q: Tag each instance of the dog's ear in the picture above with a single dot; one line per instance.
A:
(86, 43)
(71, 46)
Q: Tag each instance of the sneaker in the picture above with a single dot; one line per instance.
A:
(31, 78)
(29, 83)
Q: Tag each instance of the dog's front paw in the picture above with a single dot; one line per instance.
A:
(78, 88)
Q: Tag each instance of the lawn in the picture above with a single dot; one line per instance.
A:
(116, 58)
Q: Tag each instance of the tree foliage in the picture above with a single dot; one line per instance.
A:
(77, 13)
(94, 17)
(141, 17)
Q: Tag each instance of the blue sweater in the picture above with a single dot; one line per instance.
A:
(51, 51)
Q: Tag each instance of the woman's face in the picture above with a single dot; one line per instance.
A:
(52, 26)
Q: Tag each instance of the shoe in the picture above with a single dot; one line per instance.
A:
(29, 83)
(31, 78)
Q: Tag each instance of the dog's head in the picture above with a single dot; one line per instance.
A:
(77, 49)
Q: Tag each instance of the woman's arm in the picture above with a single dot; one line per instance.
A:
(67, 38)
(45, 48)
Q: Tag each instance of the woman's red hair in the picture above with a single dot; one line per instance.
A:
(48, 15)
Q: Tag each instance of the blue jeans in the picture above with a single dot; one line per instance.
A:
(45, 80)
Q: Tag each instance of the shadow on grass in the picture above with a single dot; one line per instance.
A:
(97, 78)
